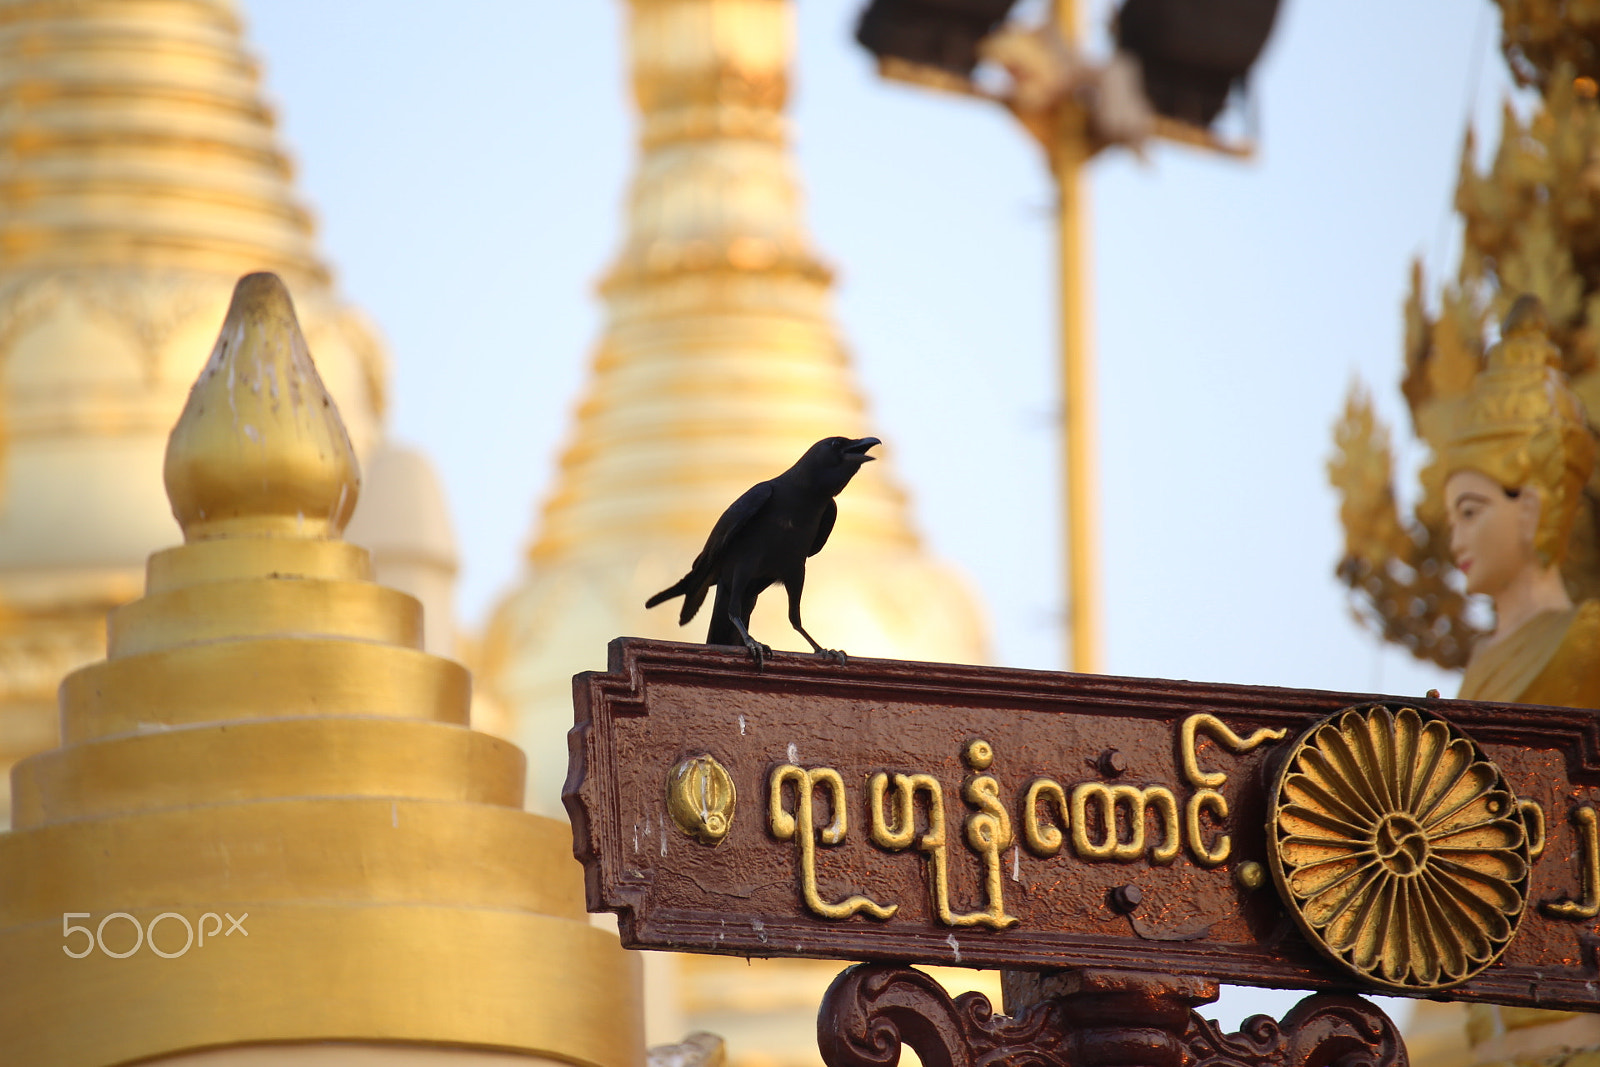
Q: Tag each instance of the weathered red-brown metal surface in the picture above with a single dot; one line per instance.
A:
(807, 861)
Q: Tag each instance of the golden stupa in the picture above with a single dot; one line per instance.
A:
(719, 363)
(274, 837)
(141, 176)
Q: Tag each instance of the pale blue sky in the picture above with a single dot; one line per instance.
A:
(468, 163)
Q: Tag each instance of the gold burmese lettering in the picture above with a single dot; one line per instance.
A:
(1103, 822)
(1206, 784)
(1045, 840)
(1533, 819)
(1042, 839)
(1223, 846)
(988, 829)
(1223, 735)
(800, 826)
(893, 826)
(1588, 866)
(1111, 846)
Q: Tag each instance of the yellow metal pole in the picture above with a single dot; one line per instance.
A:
(1068, 155)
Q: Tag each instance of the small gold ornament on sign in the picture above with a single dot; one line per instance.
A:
(701, 799)
(1399, 848)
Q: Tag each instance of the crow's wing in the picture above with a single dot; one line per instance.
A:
(829, 515)
(704, 573)
(732, 521)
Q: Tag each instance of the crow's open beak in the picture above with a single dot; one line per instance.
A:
(858, 448)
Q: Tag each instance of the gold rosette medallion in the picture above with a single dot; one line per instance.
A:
(1398, 847)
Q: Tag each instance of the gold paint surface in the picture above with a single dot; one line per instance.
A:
(1137, 801)
(1589, 862)
(221, 560)
(218, 610)
(1399, 848)
(349, 1054)
(1194, 725)
(1250, 875)
(267, 744)
(892, 825)
(429, 974)
(261, 677)
(701, 799)
(260, 760)
(199, 181)
(293, 849)
(800, 827)
(260, 447)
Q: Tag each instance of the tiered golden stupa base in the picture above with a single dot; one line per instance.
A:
(276, 786)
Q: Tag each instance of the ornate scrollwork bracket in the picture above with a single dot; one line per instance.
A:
(872, 1009)
(1086, 1019)
(1325, 1030)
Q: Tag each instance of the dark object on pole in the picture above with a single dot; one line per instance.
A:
(931, 33)
(1193, 52)
(766, 536)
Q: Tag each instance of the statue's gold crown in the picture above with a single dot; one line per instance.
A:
(1522, 426)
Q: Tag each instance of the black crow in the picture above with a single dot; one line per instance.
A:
(765, 536)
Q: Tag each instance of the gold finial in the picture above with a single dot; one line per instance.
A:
(260, 449)
(1522, 426)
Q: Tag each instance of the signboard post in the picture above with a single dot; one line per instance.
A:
(1088, 830)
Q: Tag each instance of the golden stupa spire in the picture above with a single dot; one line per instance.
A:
(267, 745)
(141, 173)
(719, 364)
(108, 107)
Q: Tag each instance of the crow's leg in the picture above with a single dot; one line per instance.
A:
(733, 610)
(758, 651)
(794, 586)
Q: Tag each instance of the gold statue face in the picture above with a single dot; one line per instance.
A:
(1521, 425)
(1492, 532)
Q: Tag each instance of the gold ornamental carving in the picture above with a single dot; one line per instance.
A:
(1399, 848)
(701, 799)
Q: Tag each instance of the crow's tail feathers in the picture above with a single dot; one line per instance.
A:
(693, 593)
(691, 603)
(678, 589)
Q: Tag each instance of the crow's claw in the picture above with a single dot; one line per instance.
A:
(758, 652)
(834, 655)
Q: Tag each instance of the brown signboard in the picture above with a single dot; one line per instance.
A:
(897, 811)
